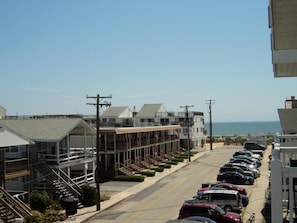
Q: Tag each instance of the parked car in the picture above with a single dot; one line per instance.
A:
(211, 211)
(228, 186)
(248, 153)
(199, 219)
(229, 200)
(192, 219)
(243, 160)
(246, 167)
(258, 162)
(235, 178)
(254, 146)
(237, 169)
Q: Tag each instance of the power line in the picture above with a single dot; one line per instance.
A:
(210, 102)
(98, 105)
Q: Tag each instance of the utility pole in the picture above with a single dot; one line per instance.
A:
(188, 129)
(210, 103)
(97, 172)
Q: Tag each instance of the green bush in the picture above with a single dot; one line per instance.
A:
(165, 165)
(148, 173)
(89, 198)
(40, 200)
(129, 178)
(171, 162)
(157, 168)
(37, 217)
(178, 159)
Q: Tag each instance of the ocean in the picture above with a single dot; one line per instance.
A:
(244, 128)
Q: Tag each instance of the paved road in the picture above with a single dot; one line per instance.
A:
(161, 201)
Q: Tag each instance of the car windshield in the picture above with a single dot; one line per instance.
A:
(220, 210)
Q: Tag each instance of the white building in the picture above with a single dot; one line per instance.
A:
(2, 112)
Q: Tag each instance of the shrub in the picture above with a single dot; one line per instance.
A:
(89, 198)
(129, 178)
(165, 165)
(36, 216)
(40, 200)
(171, 162)
(148, 173)
(157, 168)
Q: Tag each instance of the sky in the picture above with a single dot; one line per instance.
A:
(53, 54)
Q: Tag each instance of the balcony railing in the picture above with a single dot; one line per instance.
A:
(12, 166)
(74, 154)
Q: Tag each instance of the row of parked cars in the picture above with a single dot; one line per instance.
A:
(223, 201)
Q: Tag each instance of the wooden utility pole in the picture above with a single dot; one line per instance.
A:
(210, 102)
(97, 172)
(188, 129)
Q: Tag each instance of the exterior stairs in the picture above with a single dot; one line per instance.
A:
(12, 209)
(63, 185)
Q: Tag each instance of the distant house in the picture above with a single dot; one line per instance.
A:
(152, 115)
(196, 134)
(2, 112)
(117, 116)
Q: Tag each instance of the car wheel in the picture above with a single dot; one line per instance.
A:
(228, 208)
(247, 182)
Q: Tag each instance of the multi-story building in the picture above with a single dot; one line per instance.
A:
(14, 177)
(196, 134)
(157, 115)
(62, 156)
(283, 25)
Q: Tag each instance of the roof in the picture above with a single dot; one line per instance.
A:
(120, 111)
(288, 120)
(139, 129)
(150, 110)
(8, 138)
(283, 24)
(50, 129)
(225, 191)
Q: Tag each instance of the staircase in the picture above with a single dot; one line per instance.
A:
(12, 208)
(64, 186)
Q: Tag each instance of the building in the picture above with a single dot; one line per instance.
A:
(14, 176)
(157, 115)
(118, 116)
(62, 156)
(197, 137)
(2, 112)
(283, 26)
(125, 150)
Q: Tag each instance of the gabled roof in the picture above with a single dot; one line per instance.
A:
(8, 138)
(51, 129)
(116, 112)
(288, 120)
(150, 110)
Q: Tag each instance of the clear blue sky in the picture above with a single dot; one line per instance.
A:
(175, 52)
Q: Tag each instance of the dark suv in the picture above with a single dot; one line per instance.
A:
(237, 169)
(234, 177)
(211, 211)
(253, 146)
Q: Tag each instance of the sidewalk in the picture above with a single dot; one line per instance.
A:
(257, 191)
